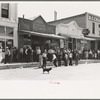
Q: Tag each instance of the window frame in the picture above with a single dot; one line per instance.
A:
(5, 11)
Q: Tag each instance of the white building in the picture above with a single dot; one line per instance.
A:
(8, 25)
(73, 33)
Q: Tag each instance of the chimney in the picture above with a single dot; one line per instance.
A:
(55, 15)
(23, 16)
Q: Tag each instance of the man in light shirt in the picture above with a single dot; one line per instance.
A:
(54, 60)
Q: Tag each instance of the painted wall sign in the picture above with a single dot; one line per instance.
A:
(94, 18)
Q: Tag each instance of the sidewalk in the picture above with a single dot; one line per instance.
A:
(34, 64)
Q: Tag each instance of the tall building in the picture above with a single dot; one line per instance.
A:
(85, 21)
(8, 25)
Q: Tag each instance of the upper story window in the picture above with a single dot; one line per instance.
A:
(9, 31)
(5, 10)
(6, 31)
(2, 31)
(93, 28)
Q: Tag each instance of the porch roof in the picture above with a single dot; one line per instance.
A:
(42, 34)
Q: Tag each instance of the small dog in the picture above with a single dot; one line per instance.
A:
(47, 70)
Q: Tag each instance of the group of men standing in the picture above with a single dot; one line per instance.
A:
(57, 56)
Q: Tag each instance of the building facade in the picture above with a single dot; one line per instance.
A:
(85, 21)
(37, 32)
(8, 25)
(73, 34)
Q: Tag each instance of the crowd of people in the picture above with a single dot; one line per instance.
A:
(56, 56)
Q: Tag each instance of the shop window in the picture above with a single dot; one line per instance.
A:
(93, 28)
(9, 31)
(74, 41)
(5, 10)
(70, 39)
(2, 30)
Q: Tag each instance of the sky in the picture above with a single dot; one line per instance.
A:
(64, 9)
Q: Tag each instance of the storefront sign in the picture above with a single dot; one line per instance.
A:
(94, 18)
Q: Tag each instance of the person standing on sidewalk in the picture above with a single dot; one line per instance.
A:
(54, 60)
(66, 59)
(70, 58)
(76, 57)
(59, 57)
(7, 55)
(39, 56)
(44, 56)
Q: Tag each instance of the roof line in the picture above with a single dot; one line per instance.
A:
(67, 17)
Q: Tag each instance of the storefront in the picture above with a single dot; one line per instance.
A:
(37, 32)
(73, 34)
(8, 25)
(6, 37)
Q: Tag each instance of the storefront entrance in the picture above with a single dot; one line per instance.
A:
(92, 45)
(99, 45)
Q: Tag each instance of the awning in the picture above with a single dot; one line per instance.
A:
(42, 34)
(71, 36)
(87, 38)
(93, 37)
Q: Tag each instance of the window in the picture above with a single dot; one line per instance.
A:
(2, 30)
(93, 28)
(99, 25)
(5, 10)
(9, 31)
(70, 39)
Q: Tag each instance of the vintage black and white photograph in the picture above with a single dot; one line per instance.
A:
(48, 43)
(55, 41)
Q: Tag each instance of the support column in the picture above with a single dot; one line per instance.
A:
(96, 45)
(15, 37)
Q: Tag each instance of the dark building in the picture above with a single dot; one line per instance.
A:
(37, 32)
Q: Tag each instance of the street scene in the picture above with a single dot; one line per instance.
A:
(90, 72)
(50, 49)
(38, 47)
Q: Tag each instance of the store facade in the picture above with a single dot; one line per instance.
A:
(73, 34)
(8, 25)
(85, 21)
(36, 32)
